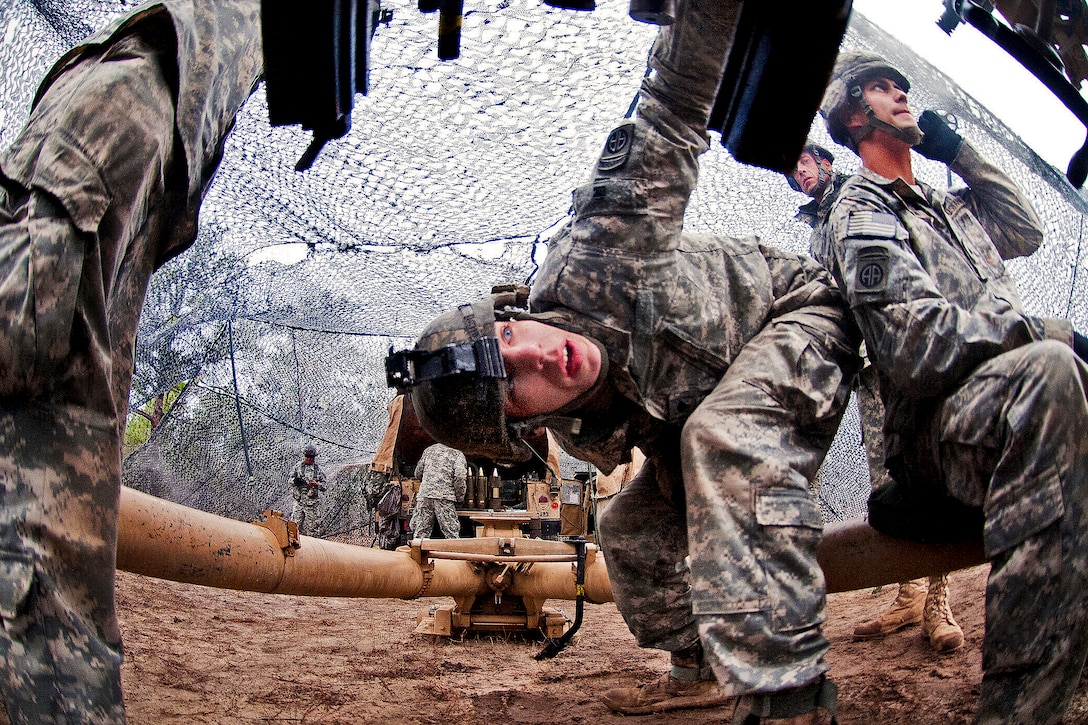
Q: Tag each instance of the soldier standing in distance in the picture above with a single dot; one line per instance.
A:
(308, 483)
(443, 478)
(986, 416)
(918, 600)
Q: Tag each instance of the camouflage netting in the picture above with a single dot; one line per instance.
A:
(281, 313)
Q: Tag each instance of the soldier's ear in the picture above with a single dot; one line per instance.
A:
(855, 119)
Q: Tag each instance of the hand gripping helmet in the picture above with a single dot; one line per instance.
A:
(457, 379)
(852, 70)
(819, 153)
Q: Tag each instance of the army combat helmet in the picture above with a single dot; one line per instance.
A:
(819, 153)
(457, 378)
(852, 70)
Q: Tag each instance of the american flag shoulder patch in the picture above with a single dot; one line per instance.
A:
(879, 224)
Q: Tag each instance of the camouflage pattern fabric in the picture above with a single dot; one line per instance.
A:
(922, 270)
(374, 484)
(443, 473)
(729, 365)
(387, 517)
(982, 400)
(429, 510)
(93, 197)
(304, 513)
(306, 495)
(651, 584)
(313, 479)
(815, 212)
(443, 480)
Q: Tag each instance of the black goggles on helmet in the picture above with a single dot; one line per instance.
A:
(480, 358)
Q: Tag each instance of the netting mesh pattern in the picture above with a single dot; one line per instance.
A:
(450, 180)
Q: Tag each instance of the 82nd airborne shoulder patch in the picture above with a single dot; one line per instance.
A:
(872, 269)
(617, 147)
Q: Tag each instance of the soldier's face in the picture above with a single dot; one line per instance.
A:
(889, 102)
(808, 175)
(546, 367)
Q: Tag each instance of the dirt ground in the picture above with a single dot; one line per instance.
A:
(201, 655)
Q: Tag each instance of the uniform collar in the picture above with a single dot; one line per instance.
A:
(897, 186)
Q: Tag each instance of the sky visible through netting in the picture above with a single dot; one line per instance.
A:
(453, 175)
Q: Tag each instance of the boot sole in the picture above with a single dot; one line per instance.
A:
(885, 633)
(675, 703)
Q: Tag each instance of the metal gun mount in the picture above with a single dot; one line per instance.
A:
(316, 60)
(1031, 47)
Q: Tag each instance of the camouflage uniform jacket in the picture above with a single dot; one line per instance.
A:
(815, 212)
(307, 473)
(672, 309)
(922, 271)
(117, 154)
(443, 473)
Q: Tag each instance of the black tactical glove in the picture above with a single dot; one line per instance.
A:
(939, 141)
(299, 481)
(1080, 345)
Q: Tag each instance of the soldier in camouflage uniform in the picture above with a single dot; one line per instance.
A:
(100, 189)
(985, 406)
(728, 362)
(815, 177)
(443, 478)
(307, 482)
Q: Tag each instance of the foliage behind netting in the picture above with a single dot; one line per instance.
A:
(450, 181)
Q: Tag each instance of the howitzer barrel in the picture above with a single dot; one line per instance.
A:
(854, 555)
(169, 541)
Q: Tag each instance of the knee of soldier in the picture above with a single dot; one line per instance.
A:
(704, 431)
(1054, 367)
(608, 523)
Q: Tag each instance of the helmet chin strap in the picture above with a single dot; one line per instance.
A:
(910, 136)
(823, 178)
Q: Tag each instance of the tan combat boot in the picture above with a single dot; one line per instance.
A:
(937, 624)
(664, 694)
(905, 610)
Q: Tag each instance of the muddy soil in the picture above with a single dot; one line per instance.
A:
(201, 655)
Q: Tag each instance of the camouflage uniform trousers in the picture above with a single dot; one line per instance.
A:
(73, 279)
(1013, 439)
(304, 513)
(751, 590)
(94, 194)
(429, 510)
